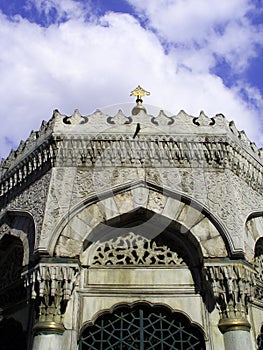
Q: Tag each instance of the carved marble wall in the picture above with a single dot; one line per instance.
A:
(172, 214)
(224, 195)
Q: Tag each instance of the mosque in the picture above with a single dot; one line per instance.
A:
(132, 231)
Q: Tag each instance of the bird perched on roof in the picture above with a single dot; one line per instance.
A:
(138, 128)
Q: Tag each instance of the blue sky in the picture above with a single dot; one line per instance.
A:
(86, 54)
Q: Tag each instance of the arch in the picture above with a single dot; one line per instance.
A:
(12, 289)
(254, 231)
(173, 206)
(153, 226)
(254, 214)
(157, 232)
(143, 324)
(254, 224)
(12, 335)
(21, 225)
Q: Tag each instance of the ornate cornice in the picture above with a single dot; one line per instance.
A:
(164, 141)
(150, 151)
(21, 174)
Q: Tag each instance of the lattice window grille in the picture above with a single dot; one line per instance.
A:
(141, 329)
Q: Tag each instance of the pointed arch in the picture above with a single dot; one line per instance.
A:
(75, 227)
(21, 225)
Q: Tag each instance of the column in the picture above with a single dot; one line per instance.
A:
(51, 284)
(233, 287)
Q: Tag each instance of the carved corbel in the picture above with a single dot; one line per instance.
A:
(233, 287)
(51, 286)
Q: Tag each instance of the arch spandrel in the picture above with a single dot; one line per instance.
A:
(68, 239)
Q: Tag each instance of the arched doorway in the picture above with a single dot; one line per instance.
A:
(143, 327)
(12, 335)
(12, 289)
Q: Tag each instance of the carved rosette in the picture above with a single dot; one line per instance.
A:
(233, 287)
(51, 286)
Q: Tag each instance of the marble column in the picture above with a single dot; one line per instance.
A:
(47, 342)
(236, 333)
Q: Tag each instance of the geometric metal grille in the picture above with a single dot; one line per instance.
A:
(142, 327)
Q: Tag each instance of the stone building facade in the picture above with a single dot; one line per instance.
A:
(132, 232)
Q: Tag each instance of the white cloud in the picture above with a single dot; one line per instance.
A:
(88, 64)
(57, 10)
(206, 27)
(188, 21)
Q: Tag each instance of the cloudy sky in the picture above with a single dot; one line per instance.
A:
(190, 54)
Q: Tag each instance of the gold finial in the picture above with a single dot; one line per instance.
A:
(139, 92)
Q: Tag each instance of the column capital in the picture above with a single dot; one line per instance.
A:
(51, 284)
(233, 285)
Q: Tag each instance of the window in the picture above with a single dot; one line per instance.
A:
(142, 327)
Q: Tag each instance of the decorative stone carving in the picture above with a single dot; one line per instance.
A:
(59, 198)
(33, 200)
(79, 175)
(203, 120)
(76, 118)
(162, 119)
(21, 172)
(258, 265)
(119, 118)
(233, 287)
(4, 229)
(51, 285)
(133, 249)
(112, 151)
(233, 202)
